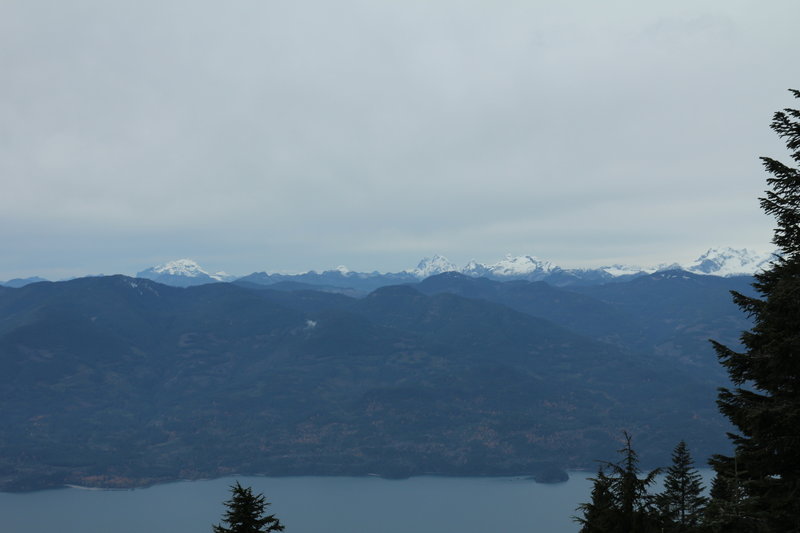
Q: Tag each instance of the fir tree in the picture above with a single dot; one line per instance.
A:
(620, 502)
(245, 513)
(600, 515)
(681, 505)
(722, 514)
(765, 403)
(630, 491)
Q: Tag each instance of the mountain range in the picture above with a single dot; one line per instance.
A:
(723, 261)
(115, 381)
(182, 273)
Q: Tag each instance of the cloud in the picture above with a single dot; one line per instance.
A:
(267, 134)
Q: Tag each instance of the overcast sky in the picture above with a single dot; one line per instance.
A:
(256, 135)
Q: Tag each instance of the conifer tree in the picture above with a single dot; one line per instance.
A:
(245, 513)
(764, 405)
(630, 491)
(681, 504)
(722, 514)
(600, 514)
(620, 502)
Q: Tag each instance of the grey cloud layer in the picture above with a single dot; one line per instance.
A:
(292, 135)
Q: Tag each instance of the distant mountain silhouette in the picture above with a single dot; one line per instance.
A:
(21, 282)
(720, 262)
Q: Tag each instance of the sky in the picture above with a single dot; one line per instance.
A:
(283, 136)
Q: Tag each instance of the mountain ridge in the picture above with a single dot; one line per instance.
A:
(722, 262)
(719, 261)
(116, 381)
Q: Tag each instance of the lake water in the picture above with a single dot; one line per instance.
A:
(311, 505)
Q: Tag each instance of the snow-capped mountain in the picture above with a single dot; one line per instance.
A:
(721, 261)
(508, 267)
(182, 273)
(343, 270)
(523, 265)
(475, 269)
(716, 261)
(625, 270)
(618, 270)
(726, 261)
(181, 267)
(430, 266)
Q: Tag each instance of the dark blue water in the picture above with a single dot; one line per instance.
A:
(310, 505)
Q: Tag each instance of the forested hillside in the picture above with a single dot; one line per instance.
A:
(116, 381)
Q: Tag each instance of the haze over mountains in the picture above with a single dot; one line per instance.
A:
(716, 261)
(120, 381)
(722, 261)
(182, 273)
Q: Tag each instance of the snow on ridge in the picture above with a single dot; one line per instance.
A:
(472, 265)
(475, 269)
(430, 266)
(520, 265)
(222, 276)
(510, 266)
(726, 261)
(617, 270)
(625, 270)
(187, 268)
(720, 261)
(181, 267)
(341, 270)
(664, 267)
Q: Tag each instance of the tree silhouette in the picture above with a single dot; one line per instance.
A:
(722, 514)
(620, 502)
(245, 513)
(765, 403)
(600, 514)
(681, 504)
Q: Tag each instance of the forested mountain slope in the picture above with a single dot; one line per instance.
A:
(116, 381)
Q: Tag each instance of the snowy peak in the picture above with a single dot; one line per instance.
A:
(509, 267)
(182, 273)
(222, 276)
(475, 269)
(430, 266)
(722, 261)
(625, 270)
(522, 265)
(181, 267)
(730, 262)
(716, 261)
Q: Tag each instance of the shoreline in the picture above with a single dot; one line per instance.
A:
(145, 483)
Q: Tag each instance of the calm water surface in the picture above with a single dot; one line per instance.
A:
(311, 505)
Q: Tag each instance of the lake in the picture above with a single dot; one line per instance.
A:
(312, 505)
